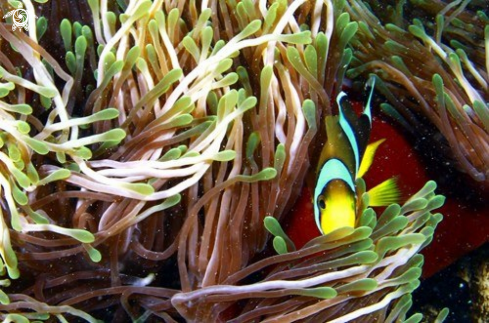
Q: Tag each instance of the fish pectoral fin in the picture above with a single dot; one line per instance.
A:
(385, 193)
(368, 157)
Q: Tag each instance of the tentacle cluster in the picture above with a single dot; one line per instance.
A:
(431, 70)
(137, 171)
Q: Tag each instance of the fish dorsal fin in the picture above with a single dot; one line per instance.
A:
(368, 157)
(336, 145)
(332, 131)
(386, 193)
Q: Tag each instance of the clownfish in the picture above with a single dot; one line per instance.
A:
(346, 157)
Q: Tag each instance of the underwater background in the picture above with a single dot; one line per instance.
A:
(244, 161)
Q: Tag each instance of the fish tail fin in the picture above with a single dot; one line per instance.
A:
(368, 157)
(368, 110)
(385, 193)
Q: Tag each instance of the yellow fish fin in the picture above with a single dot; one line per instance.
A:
(368, 157)
(385, 193)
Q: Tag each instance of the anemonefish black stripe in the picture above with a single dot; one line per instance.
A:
(348, 129)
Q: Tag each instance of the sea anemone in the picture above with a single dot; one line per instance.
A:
(143, 178)
(365, 273)
(434, 68)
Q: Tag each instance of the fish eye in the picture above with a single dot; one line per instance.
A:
(322, 203)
